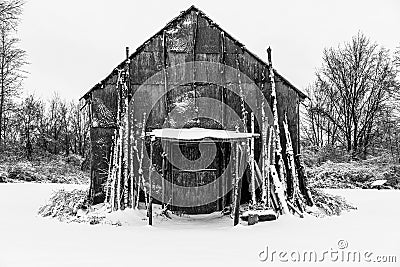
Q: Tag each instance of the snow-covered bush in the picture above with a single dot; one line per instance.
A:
(355, 174)
(65, 204)
(330, 204)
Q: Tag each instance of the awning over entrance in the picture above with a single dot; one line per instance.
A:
(197, 134)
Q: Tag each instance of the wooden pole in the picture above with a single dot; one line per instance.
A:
(294, 185)
(278, 146)
(303, 185)
(264, 195)
(125, 141)
(109, 174)
(163, 170)
(238, 191)
(141, 177)
(268, 163)
(279, 191)
(118, 170)
(220, 201)
(253, 180)
(234, 178)
(274, 201)
(295, 210)
(151, 166)
(257, 171)
(131, 160)
(150, 211)
(150, 207)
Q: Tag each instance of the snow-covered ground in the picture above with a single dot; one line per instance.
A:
(29, 240)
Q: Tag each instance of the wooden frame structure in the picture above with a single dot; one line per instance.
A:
(119, 122)
(238, 142)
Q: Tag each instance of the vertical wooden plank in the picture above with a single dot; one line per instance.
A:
(165, 63)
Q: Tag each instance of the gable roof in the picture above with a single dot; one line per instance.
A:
(211, 22)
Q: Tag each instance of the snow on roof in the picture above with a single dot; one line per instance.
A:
(196, 134)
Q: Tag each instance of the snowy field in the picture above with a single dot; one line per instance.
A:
(29, 240)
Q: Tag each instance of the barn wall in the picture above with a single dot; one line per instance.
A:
(191, 38)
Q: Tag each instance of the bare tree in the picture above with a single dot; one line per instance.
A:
(317, 129)
(355, 81)
(10, 12)
(12, 59)
(77, 130)
(30, 113)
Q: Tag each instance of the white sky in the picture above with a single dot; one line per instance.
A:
(73, 44)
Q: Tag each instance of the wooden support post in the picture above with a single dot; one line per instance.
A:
(163, 170)
(220, 205)
(170, 175)
(150, 166)
(150, 211)
(223, 162)
(238, 191)
(150, 207)
(266, 164)
(253, 180)
(131, 161)
(233, 171)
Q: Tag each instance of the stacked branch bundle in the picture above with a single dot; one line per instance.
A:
(284, 186)
(121, 186)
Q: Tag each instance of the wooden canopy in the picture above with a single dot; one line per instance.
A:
(198, 134)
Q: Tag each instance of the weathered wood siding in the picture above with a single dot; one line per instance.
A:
(192, 37)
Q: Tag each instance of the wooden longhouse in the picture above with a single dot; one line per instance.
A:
(116, 111)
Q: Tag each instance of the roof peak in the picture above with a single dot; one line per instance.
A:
(204, 15)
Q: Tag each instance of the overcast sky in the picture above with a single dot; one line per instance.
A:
(72, 45)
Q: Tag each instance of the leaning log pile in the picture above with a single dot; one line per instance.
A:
(284, 186)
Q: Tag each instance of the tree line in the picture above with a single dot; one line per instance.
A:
(55, 126)
(29, 123)
(354, 101)
(353, 104)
